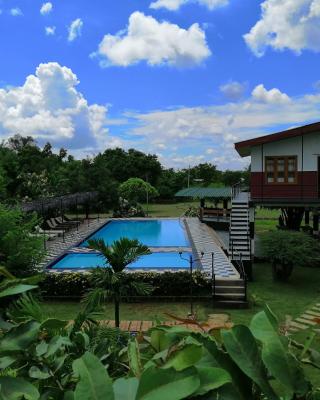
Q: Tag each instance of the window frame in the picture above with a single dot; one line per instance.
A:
(286, 170)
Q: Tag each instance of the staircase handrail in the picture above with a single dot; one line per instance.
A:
(242, 271)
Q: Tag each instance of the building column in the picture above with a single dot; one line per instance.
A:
(316, 222)
(307, 217)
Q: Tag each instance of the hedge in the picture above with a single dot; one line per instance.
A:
(167, 284)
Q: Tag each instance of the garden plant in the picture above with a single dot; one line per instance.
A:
(43, 358)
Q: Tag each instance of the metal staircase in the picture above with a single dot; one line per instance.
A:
(239, 234)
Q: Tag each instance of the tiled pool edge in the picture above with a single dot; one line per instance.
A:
(191, 226)
(46, 265)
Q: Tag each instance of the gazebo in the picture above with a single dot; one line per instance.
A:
(221, 195)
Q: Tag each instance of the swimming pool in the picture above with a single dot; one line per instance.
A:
(167, 234)
(81, 261)
(152, 233)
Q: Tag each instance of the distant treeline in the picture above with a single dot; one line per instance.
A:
(29, 172)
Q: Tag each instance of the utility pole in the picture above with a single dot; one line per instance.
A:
(189, 176)
(147, 196)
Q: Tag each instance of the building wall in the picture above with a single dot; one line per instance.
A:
(289, 147)
(307, 185)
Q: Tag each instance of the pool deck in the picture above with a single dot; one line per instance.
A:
(207, 241)
(202, 238)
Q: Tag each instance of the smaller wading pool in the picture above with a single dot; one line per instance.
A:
(81, 261)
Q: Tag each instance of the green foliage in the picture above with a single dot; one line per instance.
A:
(3, 186)
(79, 361)
(286, 249)
(94, 382)
(20, 252)
(173, 284)
(136, 190)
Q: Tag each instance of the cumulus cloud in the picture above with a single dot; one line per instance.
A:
(48, 106)
(16, 12)
(157, 43)
(273, 96)
(46, 8)
(75, 29)
(233, 90)
(212, 130)
(286, 24)
(176, 4)
(50, 30)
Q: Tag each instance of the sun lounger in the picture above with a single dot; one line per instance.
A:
(79, 220)
(60, 221)
(57, 227)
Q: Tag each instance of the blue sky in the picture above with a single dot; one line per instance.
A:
(184, 79)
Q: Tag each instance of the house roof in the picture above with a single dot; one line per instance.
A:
(201, 193)
(244, 148)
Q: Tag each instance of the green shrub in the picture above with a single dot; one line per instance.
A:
(20, 252)
(286, 249)
(75, 284)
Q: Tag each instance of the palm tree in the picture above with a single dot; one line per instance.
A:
(112, 282)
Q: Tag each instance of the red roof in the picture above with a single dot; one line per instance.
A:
(244, 148)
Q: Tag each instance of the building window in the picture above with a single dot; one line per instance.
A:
(281, 170)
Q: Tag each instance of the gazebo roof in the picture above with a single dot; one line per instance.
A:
(201, 193)
(49, 203)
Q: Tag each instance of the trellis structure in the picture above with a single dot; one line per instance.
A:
(61, 202)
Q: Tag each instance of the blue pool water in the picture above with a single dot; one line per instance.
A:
(91, 260)
(153, 233)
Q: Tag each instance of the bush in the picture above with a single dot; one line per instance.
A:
(20, 251)
(286, 249)
(175, 284)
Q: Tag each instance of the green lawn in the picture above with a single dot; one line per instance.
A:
(291, 298)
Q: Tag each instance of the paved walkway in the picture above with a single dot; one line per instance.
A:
(309, 319)
(215, 321)
(59, 245)
(205, 240)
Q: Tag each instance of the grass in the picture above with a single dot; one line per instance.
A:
(292, 298)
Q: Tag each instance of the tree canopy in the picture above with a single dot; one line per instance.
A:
(29, 172)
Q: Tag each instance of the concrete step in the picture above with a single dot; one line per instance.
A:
(298, 325)
(230, 304)
(306, 321)
(230, 296)
(315, 314)
(230, 289)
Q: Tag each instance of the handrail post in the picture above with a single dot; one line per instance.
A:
(191, 285)
(213, 277)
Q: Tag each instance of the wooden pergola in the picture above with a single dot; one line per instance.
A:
(60, 202)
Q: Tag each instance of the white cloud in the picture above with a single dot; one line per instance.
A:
(75, 29)
(233, 90)
(273, 96)
(46, 8)
(176, 4)
(157, 43)
(48, 106)
(286, 24)
(50, 30)
(211, 131)
(16, 12)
